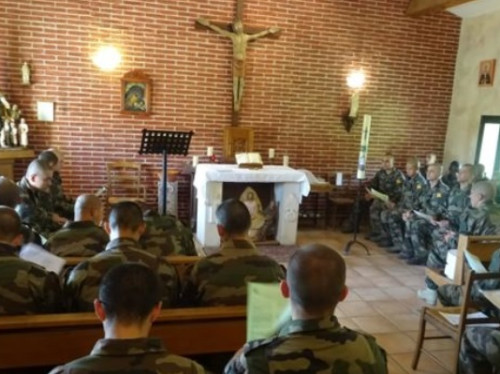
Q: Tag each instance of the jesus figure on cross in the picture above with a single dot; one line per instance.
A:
(240, 41)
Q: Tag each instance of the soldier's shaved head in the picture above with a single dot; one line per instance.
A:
(316, 278)
(9, 193)
(234, 217)
(10, 224)
(49, 157)
(39, 175)
(126, 215)
(485, 189)
(129, 292)
(87, 207)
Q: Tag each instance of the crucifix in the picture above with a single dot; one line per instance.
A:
(240, 37)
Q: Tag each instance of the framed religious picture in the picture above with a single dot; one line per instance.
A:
(487, 72)
(237, 140)
(136, 93)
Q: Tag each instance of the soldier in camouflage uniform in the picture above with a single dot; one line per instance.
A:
(128, 304)
(125, 227)
(83, 237)
(388, 180)
(480, 351)
(166, 235)
(434, 203)
(62, 204)
(10, 196)
(35, 208)
(25, 288)
(473, 221)
(221, 278)
(414, 187)
(313, 340)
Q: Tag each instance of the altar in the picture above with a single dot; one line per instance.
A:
(289, 187)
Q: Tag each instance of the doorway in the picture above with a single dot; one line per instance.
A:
(488, 150)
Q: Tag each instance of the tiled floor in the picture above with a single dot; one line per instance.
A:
(382, 301)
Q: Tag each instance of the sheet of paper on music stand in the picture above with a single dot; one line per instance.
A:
(267, 309)
(36, 254)
(423, 215)
(379, 195)
(474, 262)
(493, 296)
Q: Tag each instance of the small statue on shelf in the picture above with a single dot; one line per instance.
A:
(23, 133)
(25, 74)
(13, 134)
(2, 137)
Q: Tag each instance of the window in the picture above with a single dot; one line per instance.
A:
(487, 152)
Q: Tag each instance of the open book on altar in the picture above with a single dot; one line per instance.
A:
(250, 160)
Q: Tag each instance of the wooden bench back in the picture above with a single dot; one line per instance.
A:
(481, 246)
(53, 339)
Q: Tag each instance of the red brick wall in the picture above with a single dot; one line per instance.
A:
(295, 87)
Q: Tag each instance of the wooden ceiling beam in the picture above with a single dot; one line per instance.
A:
(423, 7)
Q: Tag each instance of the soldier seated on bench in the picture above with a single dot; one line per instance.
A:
(128, 304)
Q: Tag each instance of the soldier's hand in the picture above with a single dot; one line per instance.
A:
(203, 21)
(390, 204)
(443, 224)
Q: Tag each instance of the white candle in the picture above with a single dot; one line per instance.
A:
(271, 152)
(338, 179)
(196, 159)
(286, 160)
(363, 151)
(210, 151)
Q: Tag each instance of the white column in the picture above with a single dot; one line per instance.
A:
(288, 197)
(206, 227)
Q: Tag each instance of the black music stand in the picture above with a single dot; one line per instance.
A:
(166, 143)
(356, 219)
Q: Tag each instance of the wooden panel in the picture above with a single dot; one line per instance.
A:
(54, 339)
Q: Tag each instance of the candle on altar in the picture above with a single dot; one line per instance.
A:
(210, 151)
(271, 153)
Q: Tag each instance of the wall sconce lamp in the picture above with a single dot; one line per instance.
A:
(107, 58)
(355, 81)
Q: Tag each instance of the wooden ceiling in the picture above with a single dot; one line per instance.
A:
(423, 7)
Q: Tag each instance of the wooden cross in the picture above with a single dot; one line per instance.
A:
(240, 37)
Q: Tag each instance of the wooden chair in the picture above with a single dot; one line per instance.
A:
(481, 246)
(124, 182)
(433, 317)
(341, 200)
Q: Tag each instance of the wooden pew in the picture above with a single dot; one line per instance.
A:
(52, 339)
(181, 264)
(481, 246)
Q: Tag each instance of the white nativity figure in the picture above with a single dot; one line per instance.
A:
(13, 134)
(2, 137)
(23, 133)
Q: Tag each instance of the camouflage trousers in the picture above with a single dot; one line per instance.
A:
(437, 254)
(393, 225)
(376, 210)
(417, 237)
(449, 294)
(480, 351)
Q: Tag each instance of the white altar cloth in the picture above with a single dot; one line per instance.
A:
(289, 187)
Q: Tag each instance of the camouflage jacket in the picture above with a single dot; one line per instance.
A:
(82, 284)
(389, 183)
(166, 235)
(434, 201)
(63, 205)
(458, 202)
(413, 189)
(26, 288)
(221, 278)
(36, 209)
(476, 221)
(78, 239)
(313, 347)
(144, 356)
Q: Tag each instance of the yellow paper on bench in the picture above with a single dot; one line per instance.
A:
(267, 310)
